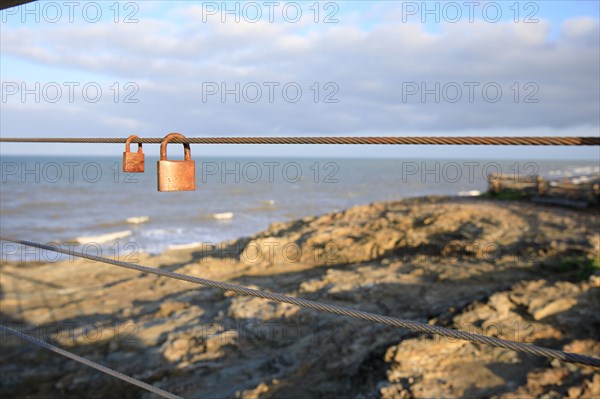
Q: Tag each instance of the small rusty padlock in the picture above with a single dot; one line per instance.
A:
(176, 175)
(133, 161)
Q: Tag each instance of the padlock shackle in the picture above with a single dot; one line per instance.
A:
(187, 152)
(128, 143)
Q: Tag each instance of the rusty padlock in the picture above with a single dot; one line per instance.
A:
(133, 161)
(176, 175)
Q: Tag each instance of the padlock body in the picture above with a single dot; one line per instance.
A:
(176, 175)
(133, 162)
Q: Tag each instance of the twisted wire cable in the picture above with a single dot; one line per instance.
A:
(335, 309)
(382, 140)
(89, 363)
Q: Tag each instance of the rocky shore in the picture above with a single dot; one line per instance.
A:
(510, 269)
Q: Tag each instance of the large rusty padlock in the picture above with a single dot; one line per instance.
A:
(176, 175)
(133, 161)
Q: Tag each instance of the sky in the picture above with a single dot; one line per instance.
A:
(306, 68)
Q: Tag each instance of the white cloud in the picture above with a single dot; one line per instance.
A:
(370, 66)
(581, 28)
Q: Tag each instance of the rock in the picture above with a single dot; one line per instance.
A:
(394, 392)
(255, 393)
(423, 259)
(554, 307)
(184, 345)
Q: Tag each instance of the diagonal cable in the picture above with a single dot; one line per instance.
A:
(89, 363)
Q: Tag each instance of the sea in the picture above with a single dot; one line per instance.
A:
(89, 202)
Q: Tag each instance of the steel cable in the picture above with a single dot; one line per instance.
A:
(382, 140)
(340, 310)
(89, 363)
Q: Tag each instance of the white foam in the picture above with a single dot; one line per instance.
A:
(583, 170)
(103, 237)
(185, 246)
(223, 216)
(138, 219)
(470, 193)
(155, 233)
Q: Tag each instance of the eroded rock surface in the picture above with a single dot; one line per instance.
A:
(508, 269)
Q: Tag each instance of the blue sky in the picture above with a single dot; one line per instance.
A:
(367, 62)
